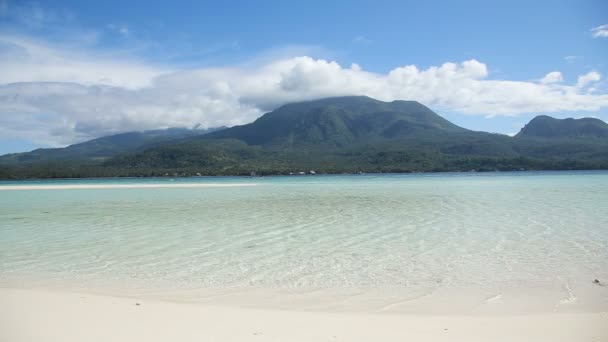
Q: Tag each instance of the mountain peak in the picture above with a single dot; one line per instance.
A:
(544, 126)
(350, 100)
(339, 121)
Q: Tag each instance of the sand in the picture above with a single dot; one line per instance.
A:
(42, 315)
(123, 186)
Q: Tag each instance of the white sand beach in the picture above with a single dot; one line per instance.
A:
(382, 258)
(124, 186)
(37, 315)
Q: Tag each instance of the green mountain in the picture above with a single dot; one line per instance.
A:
(335, 135)
(349, 134)
(580, 140)
(544, 126)
(104, 147)
(339, 122)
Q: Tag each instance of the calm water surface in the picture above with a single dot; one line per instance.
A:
(496, 233)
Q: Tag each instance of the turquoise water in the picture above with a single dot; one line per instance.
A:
(498, 232)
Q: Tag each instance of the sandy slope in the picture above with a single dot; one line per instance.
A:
(32, 315)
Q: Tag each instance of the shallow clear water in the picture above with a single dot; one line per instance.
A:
(441, 231)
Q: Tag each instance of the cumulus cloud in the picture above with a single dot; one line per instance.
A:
(600, 31)
(588, 78)
(552, 77)
(59, 96)
(27, 60)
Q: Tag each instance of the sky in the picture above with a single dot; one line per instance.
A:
(71, 71)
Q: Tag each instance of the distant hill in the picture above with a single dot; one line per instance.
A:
(544, 126)
(339, 122)
(358, 133)
(333, 135)
(576, 140)
(105, 147)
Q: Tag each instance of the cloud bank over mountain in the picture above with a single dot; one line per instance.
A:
(57, 94)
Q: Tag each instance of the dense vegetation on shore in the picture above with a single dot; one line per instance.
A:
(335, 135)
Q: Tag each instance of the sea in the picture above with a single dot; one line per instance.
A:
(499, 242)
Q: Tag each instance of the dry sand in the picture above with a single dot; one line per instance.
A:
(36, 315)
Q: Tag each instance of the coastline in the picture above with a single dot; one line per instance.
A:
(317, 174)
(334, 259)
(35, 315)
(123, 186)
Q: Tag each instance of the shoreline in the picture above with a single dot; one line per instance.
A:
(36, 315)
(461, 301)
(123, 186)
(246, 176)
(457, 258)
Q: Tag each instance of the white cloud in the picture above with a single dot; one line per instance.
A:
(600, 31)
(26, 60)
(58, 95)
(122, 29)
(552, 77)
(361, 40)
(586, 79)
(572, 59)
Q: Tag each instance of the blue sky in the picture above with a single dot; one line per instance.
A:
(74, 70)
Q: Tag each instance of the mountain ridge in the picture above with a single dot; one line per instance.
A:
(106, 146)
(335, 135)
(549, 127)
(337, 121)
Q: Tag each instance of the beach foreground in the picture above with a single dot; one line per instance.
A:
(36, 315)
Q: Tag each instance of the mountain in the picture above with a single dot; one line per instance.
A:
(358, 133)
(582, 141)
(104, 147)
(333, 135)
(339, 122)
(544, 126)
